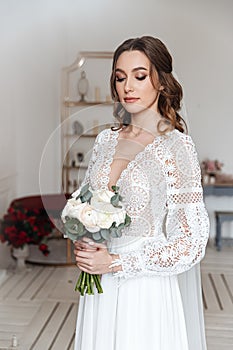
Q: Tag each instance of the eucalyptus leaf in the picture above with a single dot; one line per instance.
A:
(105, 234)
(119, 232)
(121, 226)
(96, 236)
(127, 220)
(114, 198)
(72, 237)
(113, 232)
(86, 197)
(115, 201)
(84, 189)
(101, 240)
(73, 230)
(115, 188)
(71, 220)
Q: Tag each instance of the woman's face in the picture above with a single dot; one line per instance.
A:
(133, 82)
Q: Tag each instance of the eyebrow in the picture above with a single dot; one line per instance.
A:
(133, 70)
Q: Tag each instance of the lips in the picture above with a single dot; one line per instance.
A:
(130, 99)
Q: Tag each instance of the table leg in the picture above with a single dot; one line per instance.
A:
(218, 242)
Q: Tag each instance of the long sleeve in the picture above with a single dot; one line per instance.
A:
(186, 226)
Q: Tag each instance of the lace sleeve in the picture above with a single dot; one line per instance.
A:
(186, 225)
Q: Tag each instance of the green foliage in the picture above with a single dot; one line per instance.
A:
(85, 195)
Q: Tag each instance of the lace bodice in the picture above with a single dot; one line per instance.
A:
(162, 193)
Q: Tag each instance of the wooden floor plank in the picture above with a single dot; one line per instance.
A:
(14, 319)
(47, 287)
(51, 331)
(210, 297)
(65, 336)
(223, 293)
(30, 335)
(71, 347)
(229, 282)
(39, 279)
(11, 283)
(24, 283)
(65, 285)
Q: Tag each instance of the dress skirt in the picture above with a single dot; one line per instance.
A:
(140, 313)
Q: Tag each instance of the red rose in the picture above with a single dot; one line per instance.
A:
(22, 235)
(31, 220)
(11, 210)
(10, 229)
(44, 249)
(21, 216)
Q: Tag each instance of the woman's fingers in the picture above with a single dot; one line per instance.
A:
(80, 245)
(92, 243)
(82, 254)
(84, 268)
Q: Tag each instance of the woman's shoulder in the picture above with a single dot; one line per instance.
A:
(178, 138)
(179, 145)
(106, 134)
(181, 148)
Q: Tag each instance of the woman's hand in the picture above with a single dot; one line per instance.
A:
(94, 257)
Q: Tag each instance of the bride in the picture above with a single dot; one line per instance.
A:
(150, 276)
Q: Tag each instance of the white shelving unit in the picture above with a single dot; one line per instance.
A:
(93, 114)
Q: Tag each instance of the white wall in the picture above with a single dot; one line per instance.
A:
(39, 37)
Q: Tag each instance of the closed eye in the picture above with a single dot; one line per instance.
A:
(141, 78)
(120, 79)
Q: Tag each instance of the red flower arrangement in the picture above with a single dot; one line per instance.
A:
(22, 226)
(211, 166)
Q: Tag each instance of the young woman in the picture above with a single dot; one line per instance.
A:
(150, 276)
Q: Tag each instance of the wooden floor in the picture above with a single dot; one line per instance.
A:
(217, 285)
(39, 305)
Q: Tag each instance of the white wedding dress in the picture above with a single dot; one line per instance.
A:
(155, 301)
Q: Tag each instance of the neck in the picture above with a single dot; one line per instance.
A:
(146, 121)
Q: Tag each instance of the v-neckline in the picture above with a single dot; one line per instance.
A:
(134, 160)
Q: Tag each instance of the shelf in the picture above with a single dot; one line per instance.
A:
(75, 167)
(72, 106)
(80, 135)
(78, 103)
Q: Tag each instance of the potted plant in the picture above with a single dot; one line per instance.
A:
(21, 227)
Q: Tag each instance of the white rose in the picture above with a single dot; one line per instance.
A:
(119, 217)
(88, 218)
(72, 208)
(104, 220)
(103, 196)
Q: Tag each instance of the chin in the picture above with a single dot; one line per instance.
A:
(133, 108)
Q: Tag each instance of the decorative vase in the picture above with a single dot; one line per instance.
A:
(21, 255)
(83, 86)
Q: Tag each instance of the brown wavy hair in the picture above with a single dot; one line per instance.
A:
(160, 67)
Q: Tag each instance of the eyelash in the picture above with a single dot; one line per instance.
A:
(141, 78)
(120, 80)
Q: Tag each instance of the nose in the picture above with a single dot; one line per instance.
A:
(128, 85)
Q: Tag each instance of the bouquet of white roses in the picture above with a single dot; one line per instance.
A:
(98, 215)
